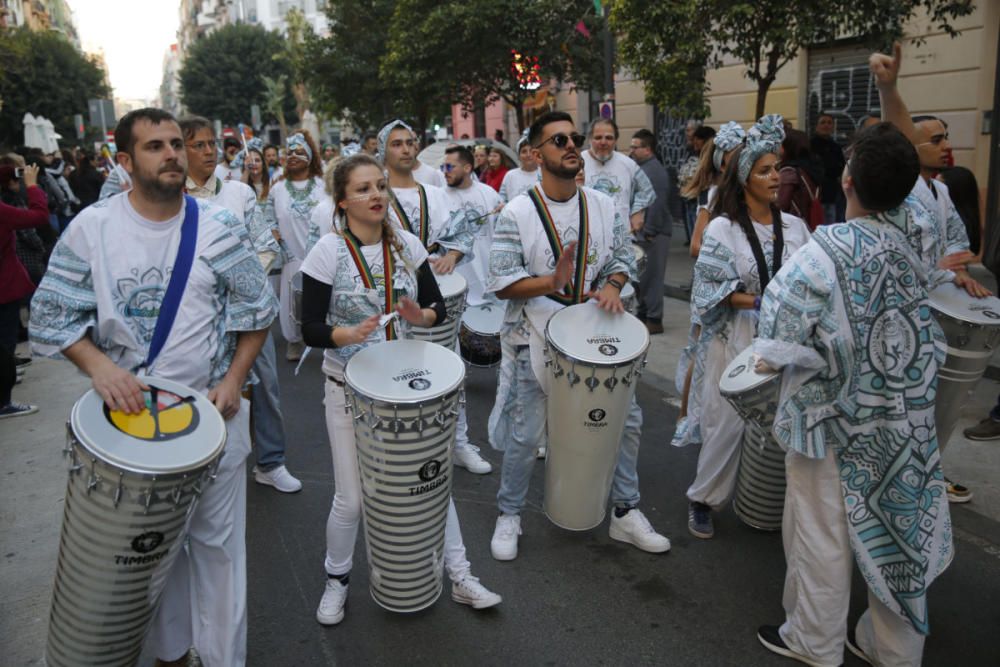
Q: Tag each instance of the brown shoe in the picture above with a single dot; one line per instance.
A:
(654, 327)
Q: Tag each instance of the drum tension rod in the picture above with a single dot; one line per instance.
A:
(612, 381)
(95, 479)
(572, 377)
(119, 488)
(149, 496)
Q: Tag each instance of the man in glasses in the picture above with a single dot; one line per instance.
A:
(289, 209)
(424, 210)
(937, 227)
(239, 199)
(529, 269)
(473, 205)
(617, 176)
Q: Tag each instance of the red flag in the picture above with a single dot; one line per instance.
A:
(581, 28)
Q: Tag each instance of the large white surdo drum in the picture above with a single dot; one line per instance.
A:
(133, 482)
(760, 485)
(404, 396)
(594, 360)
(972, 329)
(454, 289)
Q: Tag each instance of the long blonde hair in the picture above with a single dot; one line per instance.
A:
(706, 175)
(341, 177)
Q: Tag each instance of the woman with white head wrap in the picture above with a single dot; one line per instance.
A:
(744, 245)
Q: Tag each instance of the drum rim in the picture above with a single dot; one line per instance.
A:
(599, 364)
(80, 436)
(953, 289)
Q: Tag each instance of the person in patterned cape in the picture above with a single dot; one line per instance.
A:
(848, 322)
(525, 270)
(289, 209)
(99, 305)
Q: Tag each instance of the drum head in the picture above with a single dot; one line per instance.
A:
(404, 371)
(451, 284)
(179, 430)
(955, 302)
(591, 335)
(740, 375)
(485, 318)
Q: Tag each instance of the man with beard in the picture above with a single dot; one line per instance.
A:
(525, 242)
(228, 170)
(274, 170)
(474, 206)
(615, 175)
(99, 306)
(241, 200)
(423, 211)
(289, 209)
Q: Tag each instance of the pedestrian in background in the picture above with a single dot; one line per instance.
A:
(654, 237)
(829, 153)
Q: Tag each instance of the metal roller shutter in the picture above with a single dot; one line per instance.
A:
(841, 85)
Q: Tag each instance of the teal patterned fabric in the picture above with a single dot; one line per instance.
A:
(855, 297)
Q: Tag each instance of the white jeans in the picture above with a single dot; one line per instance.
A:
(818, 579)
(345, 514)
(204, 599)
(289, 329)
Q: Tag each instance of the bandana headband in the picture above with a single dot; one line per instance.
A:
(299, 141)
(764, 137)
(730, 136)
(383, 135)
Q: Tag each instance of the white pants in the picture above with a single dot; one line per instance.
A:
(818, 579)
(204, 599)
(345, 514)
(289, 329)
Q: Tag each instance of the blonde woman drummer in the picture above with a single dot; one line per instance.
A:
(351, 278)
(744, 245)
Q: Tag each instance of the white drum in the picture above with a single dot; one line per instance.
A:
(972, 329)
(630, 299)
(594, 360)
(133, 482)
(295, 289)
(453, 290)
(405, 396)
(759, 500)
(479, 336)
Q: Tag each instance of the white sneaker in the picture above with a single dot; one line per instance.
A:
(293, 352)
(468, 590)
(503, 546)
(331, 606)
(279, 478)
(541, 452)
(467, 456)
(635, 529)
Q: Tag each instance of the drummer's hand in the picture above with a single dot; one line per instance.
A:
(411, 312)
(445, 264)
(971, 285)
(121, 390)
(762, 366)
(226, 397)
(359, 333)
(564, 268)
(609, 298)
(636, 221)
(956, 261)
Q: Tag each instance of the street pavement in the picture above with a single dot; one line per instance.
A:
(569, 598)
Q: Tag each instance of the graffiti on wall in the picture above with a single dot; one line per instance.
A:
(847, 93)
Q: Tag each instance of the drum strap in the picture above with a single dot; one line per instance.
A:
(577, 289)
(758, 250)
(178, 281)
(404, 220)
(354, 247)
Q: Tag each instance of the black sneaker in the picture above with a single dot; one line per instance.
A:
(22, 361)
(853, 647)
(988, 429)
(700, 521)
(772, 641)
(956, 492)
(13, 409)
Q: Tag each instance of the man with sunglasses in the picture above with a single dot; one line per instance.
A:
(423, 210)
(617, 176)
(937, 230)
(473, 208)
(526, 268)
(239, 199)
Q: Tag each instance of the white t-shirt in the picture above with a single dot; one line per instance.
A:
(351, 303)
(290, 206)
(429, 176)
(226, 173)
(110, 270)
(517, 181)
(621, 179)
(439, 215)
(471, 209)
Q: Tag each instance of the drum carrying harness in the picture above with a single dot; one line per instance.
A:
(574, 292)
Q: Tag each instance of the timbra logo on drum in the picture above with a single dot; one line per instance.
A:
(605, 344)
(143, 544)
(429, 472)
(596, 418)
(415, 378)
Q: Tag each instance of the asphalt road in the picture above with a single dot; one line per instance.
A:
(569, 598)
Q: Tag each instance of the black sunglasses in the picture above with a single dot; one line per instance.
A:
(561, 139)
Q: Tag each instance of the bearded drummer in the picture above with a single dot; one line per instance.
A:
(103, 305)
(537, 264)
(937, 230)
